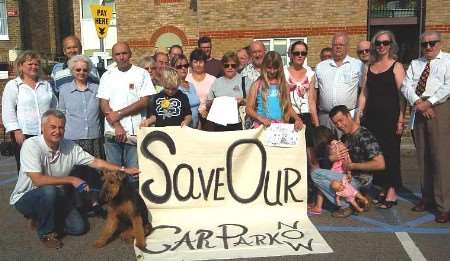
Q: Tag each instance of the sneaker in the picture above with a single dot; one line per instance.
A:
(342, 213)
(51, 241)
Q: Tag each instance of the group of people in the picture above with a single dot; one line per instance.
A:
(352, 109)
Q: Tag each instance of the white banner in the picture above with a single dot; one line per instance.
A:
(223, 195)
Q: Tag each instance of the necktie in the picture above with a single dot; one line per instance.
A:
(423, 80)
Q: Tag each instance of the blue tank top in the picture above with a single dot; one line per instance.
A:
(273, 110)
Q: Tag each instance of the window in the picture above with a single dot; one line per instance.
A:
(3, 21)
(281, 46)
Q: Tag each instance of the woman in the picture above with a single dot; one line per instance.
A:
(202, 83)
(148, 63)
(232, 85)
(78, 100)
(300, 78)
(271, 94)
(25, 99)
(181, 64)
(382, 111)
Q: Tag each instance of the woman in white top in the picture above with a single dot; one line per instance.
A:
(25, 99)
(300, 79)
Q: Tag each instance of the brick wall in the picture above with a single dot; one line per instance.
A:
(13, 32)
(438, 19)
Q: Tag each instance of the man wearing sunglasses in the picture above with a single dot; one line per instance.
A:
(363, 51)
(337, 83)
(427, 88)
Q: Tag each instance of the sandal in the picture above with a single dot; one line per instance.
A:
(314, 212)
(387, 204)
(379, 199)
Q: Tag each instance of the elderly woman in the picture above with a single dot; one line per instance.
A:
(268, 100)
(231, 85)
(25, 99)
(383, 111)
(202, 83)
(149, 64)
(181, 64)
(78, 100)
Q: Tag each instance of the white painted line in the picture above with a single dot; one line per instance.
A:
(411, 249)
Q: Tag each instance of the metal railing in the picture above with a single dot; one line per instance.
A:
(396, 12)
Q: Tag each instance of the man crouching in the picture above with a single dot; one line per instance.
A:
(45, 165)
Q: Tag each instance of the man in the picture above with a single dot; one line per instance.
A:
(161, 62)
(124, 93)
(61, 73)
(253, 70)
(175, 50)
(326, 53)
(363, 51)
(427, 88)
(39, 194)
(365, 153)
(337, 81)
(244, 59)
(212, 66)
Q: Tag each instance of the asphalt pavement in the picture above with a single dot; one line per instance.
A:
(393, 234)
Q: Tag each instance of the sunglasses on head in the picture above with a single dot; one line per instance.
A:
(230, 65)
(81, 70)
(302, 53)
(384, 43)
(363, 51)
(429, 43)
(180, 66)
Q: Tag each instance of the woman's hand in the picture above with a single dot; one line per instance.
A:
(400, 127)
(132, 171)
(266, 122)
(298, 124)
(19, 137)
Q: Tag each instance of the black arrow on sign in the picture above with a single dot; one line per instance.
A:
(101, 30)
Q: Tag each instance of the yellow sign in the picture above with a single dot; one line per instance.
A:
(102, 15)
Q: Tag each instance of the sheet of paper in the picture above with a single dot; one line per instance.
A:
(281, 135)
(224, 111)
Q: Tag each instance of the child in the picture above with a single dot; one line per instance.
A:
(171, 106)
(338, 166)
(344, 189)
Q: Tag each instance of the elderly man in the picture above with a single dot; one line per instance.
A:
(253, 70)
(46, 161)
(243, 57)
(212, 65)
(363, 51)
(337, 81)
(175, 50)
(365, 153)
(61, 73)
(427, 88)
(124, 93)
(161, 62)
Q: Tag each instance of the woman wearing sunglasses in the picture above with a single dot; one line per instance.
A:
(78, 100)
(181, 64)
(232, 85)
(300, 78)
(381, 110)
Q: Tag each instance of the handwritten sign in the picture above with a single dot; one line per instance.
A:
(102, 15)
(221, 195)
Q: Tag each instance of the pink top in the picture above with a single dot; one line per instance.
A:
(349, 191)
(202, 88)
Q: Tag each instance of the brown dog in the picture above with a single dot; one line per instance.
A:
(124, 205)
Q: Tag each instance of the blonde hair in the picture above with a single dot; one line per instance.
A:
(392, 50)
(169, 78)
(273, 59)
(23, 57)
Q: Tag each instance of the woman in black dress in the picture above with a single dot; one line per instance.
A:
(381, 110)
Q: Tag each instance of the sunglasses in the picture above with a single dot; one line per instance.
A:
(429, 43)
(180, 66)
(150, 68)
(81, 70)
(384, 43)
(229, 65)
(363, 51)
(302, 53)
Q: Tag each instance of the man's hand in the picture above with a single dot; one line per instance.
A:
(19, 137)
(113, 117)
(347, 165)
(429, 113)
(79, 184)
(120, 133)
(422, 106)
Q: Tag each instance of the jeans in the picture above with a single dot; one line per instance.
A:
(121, 154)
(323, 177)
(48, 205)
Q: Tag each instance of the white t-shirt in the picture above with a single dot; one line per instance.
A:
(36, 156)
(122, 89)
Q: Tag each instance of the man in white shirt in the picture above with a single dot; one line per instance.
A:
(337, 81)
(124, 93)
(46, 162)
(427, 88)
(253, 70)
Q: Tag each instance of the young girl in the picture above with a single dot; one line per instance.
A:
(338, 165)
(344, 189)
(170, 107)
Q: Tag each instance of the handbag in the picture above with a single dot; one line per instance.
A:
(7, 148)
(247, 122)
